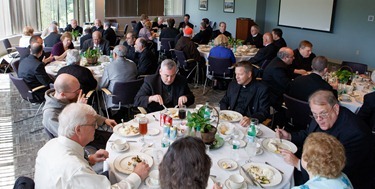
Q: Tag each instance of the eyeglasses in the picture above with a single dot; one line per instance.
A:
(95, 125)
(74, 91)
(323, 115)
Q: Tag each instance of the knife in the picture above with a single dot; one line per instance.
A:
(248, 175)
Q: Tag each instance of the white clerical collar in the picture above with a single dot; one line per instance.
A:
(255, 35)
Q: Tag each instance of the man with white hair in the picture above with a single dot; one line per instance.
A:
(166, 88)
(120, 70)
(83, 74)
(61, 163)
(97, 26)
(97, 42)
(66, 91)
(159, 24)
(53, 37)
(73, 26)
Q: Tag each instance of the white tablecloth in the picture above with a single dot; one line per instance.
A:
(224, 152)
(356, 98)
(206, 54)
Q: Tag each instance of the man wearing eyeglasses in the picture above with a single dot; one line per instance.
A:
(340, 122)
(66, 90)
(166, 88)
(61, 163)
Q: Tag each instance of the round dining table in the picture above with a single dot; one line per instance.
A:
(356, 93)
(153, 144)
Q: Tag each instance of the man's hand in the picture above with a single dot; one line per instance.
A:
(245, 121)
(142, 169)
(182, 100)
(81, 98)
(216, 186)
(289, 157)
(156, 98)
(281, 133)
(99, 156)
(47, 60)
(110, 122)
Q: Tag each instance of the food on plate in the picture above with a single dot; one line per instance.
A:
(225, 129)
(129, 130)
(135, 160)
(276, 146)
(228, 116)
(173, 112)
(226, 165)
(262, 175)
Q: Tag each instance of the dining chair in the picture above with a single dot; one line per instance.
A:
(166, 44)
(125, 29)
(218, 68)
(27, 94)
(23, 51)
(15, 65)
(297, 112)
(121, 96)
(187, 65)
(361, 68)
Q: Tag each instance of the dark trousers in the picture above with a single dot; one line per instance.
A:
(24, 183)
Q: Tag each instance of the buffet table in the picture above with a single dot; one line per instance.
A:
(154, 148)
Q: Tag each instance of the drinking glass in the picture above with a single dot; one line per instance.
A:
(182, 112)
(251, 149)
(143, 127)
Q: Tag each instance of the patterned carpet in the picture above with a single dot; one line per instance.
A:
(21, 137)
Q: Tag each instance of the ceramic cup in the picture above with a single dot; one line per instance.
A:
(236, 181)
(154, 177)
(119, 144)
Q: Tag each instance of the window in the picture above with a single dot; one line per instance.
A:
(131, 8)
(5, 28)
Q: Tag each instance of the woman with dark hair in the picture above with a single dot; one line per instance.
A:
(185, 165)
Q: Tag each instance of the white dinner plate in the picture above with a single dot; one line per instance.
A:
(225, 128)
(285, 144)
(120, 130)
(242, 143)
(231, 164)
(153, 131)
(227, 184)
(124, 163)
(275, 180)
(122, 150)
(231, 116)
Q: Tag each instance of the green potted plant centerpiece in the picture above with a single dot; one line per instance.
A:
(201, 121)
(75, 34)
(343, 75)
(91, 55)
(232, 42)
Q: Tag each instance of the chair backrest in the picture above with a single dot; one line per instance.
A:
(47, 49)
(23, 51)
(15, 65)
(134, 23)
(219, 67)
(180, 58)
(6, 43)
(126, 28)
(125, 92)
(22, 87)
(299, 111)
(361, 68)
(166, 44)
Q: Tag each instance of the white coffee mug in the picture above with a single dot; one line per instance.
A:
(236, 181)
(119, 144)
(154, 177)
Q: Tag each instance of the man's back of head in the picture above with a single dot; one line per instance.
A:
(66, 87)
(36, 49)
(319, 64)
(72, 57)
(120, 51)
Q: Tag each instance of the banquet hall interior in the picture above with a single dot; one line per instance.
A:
(348, 36)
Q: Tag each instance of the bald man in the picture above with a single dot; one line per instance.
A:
(97, 42)
(277, 75)
(97, 26)
(267, 53)
(66, 90)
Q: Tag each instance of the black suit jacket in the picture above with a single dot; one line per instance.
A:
(147, 63)
(83, 74)
(33, 72)
(367, 111)
(277, 77)
(103, 45)
(257, 40)
(153, 85)
(279, 43)
(84, 38)
(52, 39)
(182, 25)
(131, 54)
(70, 29)
(267, 53)
(257, 104)
(100, 29)
(217, 33)
(110, 35)
(355, 136)
(138, 28)
(203, 37)
(303, 86)
(168, 33)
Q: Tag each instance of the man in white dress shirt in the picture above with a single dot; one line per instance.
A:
(61, 164)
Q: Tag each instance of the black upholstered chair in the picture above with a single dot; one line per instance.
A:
(218, 68)
(361, 68)
(298, 113)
